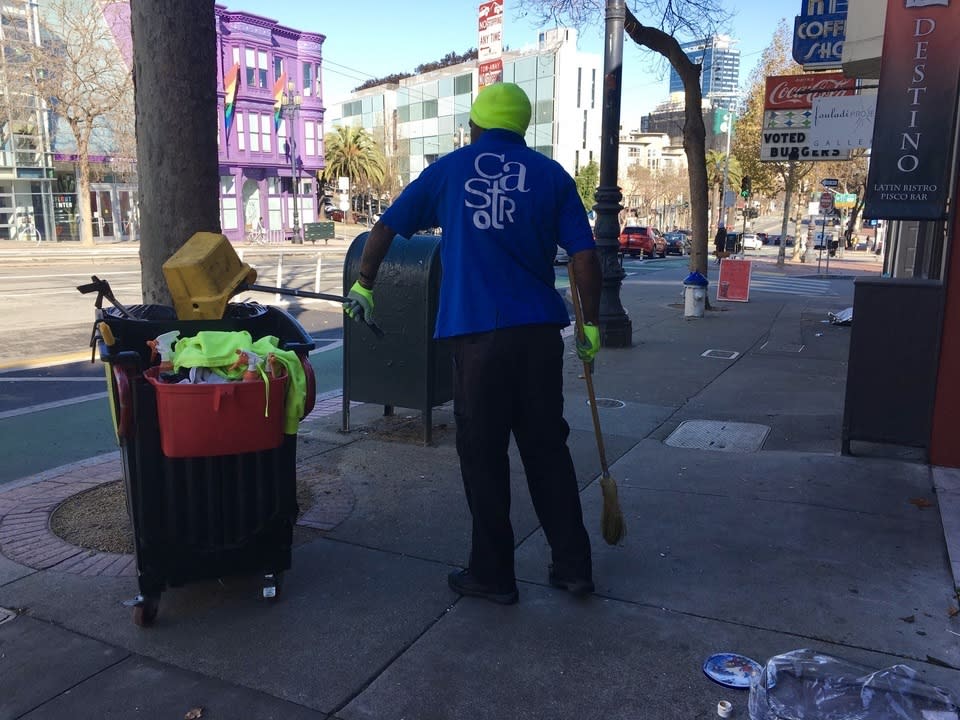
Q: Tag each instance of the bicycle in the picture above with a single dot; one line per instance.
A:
(258, 236)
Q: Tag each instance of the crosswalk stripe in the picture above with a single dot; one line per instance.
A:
(791, 286)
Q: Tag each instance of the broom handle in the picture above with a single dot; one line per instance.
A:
(578, 315)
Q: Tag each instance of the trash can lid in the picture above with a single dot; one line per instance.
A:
(695, 278)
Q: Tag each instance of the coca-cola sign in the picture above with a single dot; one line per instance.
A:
(796, 92)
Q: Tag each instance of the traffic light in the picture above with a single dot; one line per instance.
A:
(746, 187)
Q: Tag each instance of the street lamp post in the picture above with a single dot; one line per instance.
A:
(728, 122)
(291, 107)
(616, 330)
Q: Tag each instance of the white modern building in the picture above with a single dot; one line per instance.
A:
(26, 167)
(425, 116)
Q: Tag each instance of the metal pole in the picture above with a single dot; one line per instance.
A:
(722, 220)
(616, 330)
(294, 179)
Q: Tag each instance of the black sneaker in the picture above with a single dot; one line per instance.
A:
(462, 582)
(579, 586)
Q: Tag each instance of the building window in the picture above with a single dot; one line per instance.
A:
(579, 84)
(307, 79)
(463, 84)
(593, 88)
(277, 68)
(262, 68)
(266, 121)
(254, 123)
(250, 58)
(257, 68)
(236, 56)
(228, 202)
(429, 109)
(309, 139)
(241, 136)
(584, 129)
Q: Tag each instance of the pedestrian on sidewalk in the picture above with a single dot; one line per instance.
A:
(720, 242)
(503, 208)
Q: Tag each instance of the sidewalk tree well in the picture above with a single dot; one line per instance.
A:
(770, 178)
(688, 19)
(176, 120)
(77, 75)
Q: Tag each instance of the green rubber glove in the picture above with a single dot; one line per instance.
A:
(588, 347)
(359, 304)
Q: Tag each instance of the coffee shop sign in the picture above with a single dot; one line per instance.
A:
(819, 32)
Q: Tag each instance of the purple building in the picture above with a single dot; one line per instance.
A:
(271, 149)
(270, 133)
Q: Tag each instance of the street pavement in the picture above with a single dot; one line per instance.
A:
(748, 532)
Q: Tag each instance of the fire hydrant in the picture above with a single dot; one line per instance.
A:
(694, 295)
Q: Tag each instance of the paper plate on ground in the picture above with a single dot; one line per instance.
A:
(732, 670)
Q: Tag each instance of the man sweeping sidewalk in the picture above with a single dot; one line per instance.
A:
(503, 208)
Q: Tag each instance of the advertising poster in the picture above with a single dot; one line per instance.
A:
(916, 106)
(734, 281)
(788, 116)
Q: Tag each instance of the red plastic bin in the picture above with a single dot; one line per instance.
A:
(206, 420)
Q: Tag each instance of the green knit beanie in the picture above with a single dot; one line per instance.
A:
(502, 105)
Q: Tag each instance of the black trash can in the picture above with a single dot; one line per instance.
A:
(406, 367)
(197, 518)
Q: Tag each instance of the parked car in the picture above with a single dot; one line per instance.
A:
(642, 240)
(752, 242)
(818, 240)
(676, 243)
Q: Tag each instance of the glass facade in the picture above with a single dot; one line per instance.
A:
(430, 115)
(720, 74)
(424, 117)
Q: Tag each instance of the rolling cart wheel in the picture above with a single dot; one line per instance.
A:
(271, 586)
(145, 611)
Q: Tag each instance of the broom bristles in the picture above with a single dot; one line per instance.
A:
(612, 526)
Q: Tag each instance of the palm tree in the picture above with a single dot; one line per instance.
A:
(352, 153)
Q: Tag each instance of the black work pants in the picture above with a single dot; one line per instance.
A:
(511, 380)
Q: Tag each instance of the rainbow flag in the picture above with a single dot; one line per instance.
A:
(278, 89)
(230, 82)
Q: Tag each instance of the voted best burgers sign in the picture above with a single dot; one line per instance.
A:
(788, 116)
(910, 167)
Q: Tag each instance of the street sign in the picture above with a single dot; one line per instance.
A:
(845, 200)
(826, 202)
(829, 182)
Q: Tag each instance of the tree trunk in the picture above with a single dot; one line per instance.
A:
(175, 91)
(83, 198)
(789, 184)
(694, 133)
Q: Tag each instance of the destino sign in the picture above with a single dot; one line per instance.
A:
(788, 116)
(910, 167)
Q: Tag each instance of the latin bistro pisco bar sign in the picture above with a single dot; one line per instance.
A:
(916, 103)
(788, 115)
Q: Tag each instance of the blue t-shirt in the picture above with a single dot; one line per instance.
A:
(503, 209)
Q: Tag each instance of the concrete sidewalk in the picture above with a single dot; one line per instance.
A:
(748, 532)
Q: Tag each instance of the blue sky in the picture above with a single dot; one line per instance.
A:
(374, 38)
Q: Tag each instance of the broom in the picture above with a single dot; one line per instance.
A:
(612, 526)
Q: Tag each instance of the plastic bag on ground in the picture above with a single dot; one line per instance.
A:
(807, 685)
